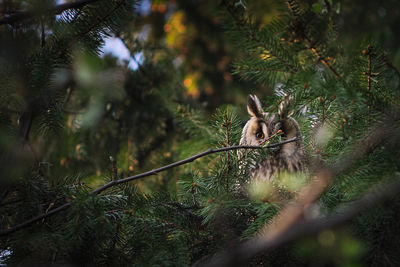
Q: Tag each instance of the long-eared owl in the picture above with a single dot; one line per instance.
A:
(261, 126)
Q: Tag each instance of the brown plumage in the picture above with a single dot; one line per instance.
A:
(289, 157)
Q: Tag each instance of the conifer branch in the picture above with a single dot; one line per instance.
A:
(253, 37)
(378, 195)
(369, 73)
(91, 28)
(114, 169)
(323, 112)
(182, 162)
(300, 30)
(58, 9)
(294, 9)
(321, 58)
(34, 219)
(369, 52)
(226, 125)
(273, 235)
(135, 177)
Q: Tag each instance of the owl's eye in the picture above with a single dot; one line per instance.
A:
(260, 135)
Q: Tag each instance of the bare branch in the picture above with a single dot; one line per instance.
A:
(22, 15)
(178, 163)
(135, 177)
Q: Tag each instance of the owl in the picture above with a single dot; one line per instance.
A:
(261, 126)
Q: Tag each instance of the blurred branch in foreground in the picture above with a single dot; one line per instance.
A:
(374, 197)
(289, 224)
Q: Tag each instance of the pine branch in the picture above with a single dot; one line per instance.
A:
(300, 29)
(138, 176)
(91, 28)
(226, 125)
(290, 216)
(378, 195)
(35, 219)
(114, 169)
(323, 60)
(182, 162)
(253, 37)
(294, 9)
(370, 53)
(22, 15)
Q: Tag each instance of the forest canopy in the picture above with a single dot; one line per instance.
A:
(121, 125)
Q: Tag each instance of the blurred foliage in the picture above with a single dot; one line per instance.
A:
(66, 108)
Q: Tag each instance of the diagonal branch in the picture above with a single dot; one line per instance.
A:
(289, 217)
(324, 61)
(22, 15)
(182, 162)
(135, 177)
(297, 14)
(374, 197)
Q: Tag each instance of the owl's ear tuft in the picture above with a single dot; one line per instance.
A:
(285, 107)
(254, 106)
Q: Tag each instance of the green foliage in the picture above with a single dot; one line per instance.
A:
(65, 109)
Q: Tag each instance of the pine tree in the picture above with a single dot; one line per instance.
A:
(77, 130)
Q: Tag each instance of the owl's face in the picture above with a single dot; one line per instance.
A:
(260, 126)
(254, 132)
(289, 157)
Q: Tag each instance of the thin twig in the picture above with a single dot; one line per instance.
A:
(114, 169)
(296, 13)
(369, 52)
(135, 177)
(323, 113)
(262, 143)
(369, 72)
(22, 15)
(226, 125)
(178, 163)
(76, 15)
(322, 59)
(35, 219)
